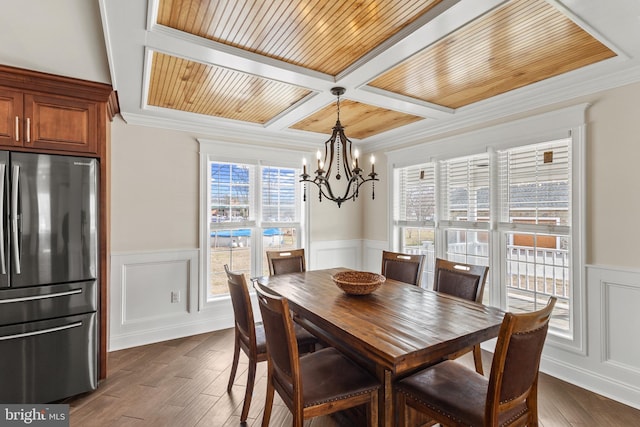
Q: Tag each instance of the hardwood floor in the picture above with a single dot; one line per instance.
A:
(183, 383)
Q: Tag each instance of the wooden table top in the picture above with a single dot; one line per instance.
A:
(399, 327)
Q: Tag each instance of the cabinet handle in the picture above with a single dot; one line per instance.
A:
(28, 130)
(17, 129)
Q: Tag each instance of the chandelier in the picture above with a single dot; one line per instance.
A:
(340, 164)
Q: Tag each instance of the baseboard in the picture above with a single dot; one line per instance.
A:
(592, 381)
(150, 336)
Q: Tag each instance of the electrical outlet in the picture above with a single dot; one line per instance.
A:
(175, 297)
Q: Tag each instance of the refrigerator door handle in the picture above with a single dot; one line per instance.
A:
(37, 297)
(14, 217)
(40, 332)
(3, 262)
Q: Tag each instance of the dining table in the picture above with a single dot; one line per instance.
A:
(394, 331)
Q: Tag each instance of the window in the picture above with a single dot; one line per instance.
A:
(232, 221)
(281, 207)
(415, 213)
(535, 227)
(465, 210)
(511, 202)
(534, 207)
(249, 207)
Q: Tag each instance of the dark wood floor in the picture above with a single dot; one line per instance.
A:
(183, 383)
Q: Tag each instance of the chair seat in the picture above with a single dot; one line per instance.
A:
(330, 376)
(305, 338)
(451, 388)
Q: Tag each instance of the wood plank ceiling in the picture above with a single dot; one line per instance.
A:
(519, 43)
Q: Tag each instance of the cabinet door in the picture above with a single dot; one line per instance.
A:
(11, 118)
(57, 123)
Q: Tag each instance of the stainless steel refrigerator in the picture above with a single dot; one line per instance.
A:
(48, 276)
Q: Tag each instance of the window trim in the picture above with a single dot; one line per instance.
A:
(557, 124)
(223, 151)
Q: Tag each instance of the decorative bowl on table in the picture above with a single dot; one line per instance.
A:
(358, 282)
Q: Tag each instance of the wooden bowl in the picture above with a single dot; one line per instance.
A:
(358, 282)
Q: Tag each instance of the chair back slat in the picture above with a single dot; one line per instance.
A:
(403, 267)
(284, 262)
(242, 312)
(521, 363)
(461, 280)
(516, 361)
(282, 350)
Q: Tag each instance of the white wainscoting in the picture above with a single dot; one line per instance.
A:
(335, 253)
(611, 366)
(141, 310)
(357, 254)
(372, 255)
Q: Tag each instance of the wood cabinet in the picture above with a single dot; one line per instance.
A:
(10, 112)
(52, 114)
(48, 122)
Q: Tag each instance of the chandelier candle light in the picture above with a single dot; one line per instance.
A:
(337, 154)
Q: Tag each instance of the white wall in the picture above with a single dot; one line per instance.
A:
(613, 182)
(62, 37)
(154, 185)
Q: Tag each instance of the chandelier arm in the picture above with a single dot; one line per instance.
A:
(353, 187)
(329, 194)
(325, 188)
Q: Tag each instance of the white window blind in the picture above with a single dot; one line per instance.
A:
(535, 185)
(280, 195)
(416, 189)
(465, 189)
(232, 189)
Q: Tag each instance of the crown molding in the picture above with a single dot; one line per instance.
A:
(238, 133)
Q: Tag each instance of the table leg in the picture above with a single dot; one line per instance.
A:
(385, 401)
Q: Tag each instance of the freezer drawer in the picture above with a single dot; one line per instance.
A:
(41, 362)
(19, 305)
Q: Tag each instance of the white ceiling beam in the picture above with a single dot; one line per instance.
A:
(428, 30)
(188, 46)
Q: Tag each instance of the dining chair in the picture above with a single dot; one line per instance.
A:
(453, 395)
(315, 384)
(283, 262)
(464, 281)
(403, 267)
(250, 337)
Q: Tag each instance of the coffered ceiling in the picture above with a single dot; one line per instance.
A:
(263, 69)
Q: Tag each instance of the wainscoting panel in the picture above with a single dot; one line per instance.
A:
(335, 253)
(169, 280)
(619, 302)
(153, 297)
(372, 255)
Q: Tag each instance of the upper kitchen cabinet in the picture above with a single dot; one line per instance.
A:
(51, 113)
